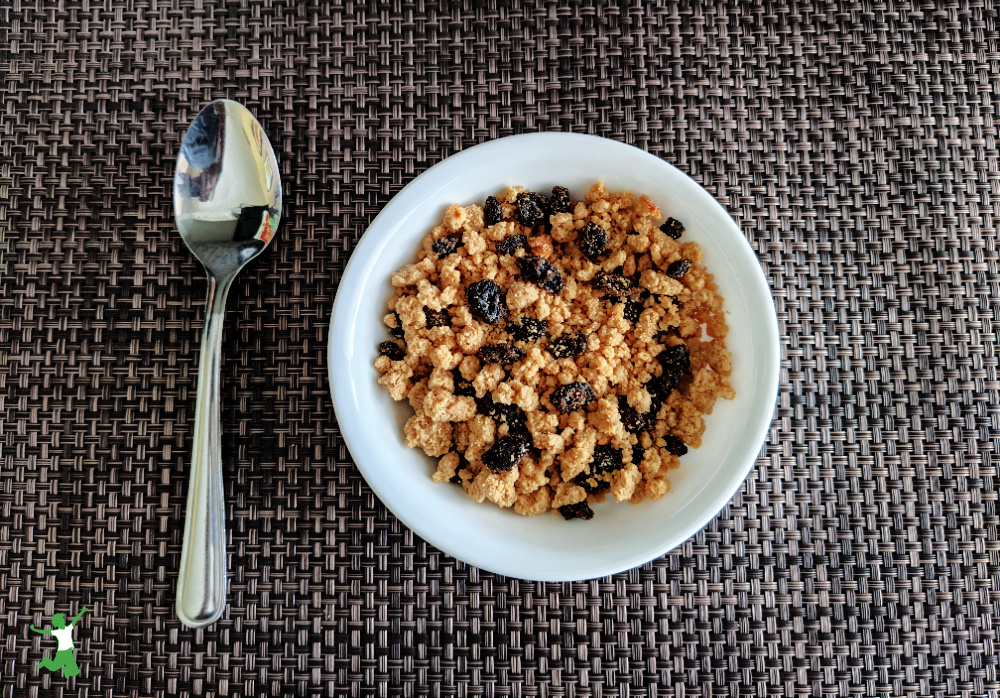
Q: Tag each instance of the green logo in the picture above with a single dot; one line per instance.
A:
(64, 658)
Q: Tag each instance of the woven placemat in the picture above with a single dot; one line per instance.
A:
(856, 144)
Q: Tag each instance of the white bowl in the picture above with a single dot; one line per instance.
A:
(547, 548)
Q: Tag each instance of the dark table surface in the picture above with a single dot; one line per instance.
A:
(856, 145)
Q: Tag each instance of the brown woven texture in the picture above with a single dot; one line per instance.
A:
(855, 143)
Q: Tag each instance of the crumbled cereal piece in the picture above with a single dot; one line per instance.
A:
(412, 273)
(471, 338)
(497, 487)
(577, 459)
(657, 487)
(533, 475)
(568, 493)
(480, 434)
(661, 284)
(446, 469)
(396, 379)
(488, 379)
(433, 437)
(624, 482)
(533, 503)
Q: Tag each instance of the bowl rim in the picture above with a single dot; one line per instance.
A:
(399, 209)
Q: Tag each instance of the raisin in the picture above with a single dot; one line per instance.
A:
(540, 271)
(500, 353)
(676, 355)
(607, 459)
(531, 209)
(560, 202)
(671, 377)
(446, 245)
(437, 318)
(487, 301)
(462, 465)
(463, 388)
(672, 228)
(591, 484)
(592, 241)
(397, 331)
(506, 453)
(633, 309)
(675, 445)
(525, 329)
(568, 345)
(615, 284)
(392, 350)
(511, 415)
(655, 403)
(637, 453)
(581, 510)
(492, 211)
(634, 421)
(571, 397)
(512, 243)
(678, 269)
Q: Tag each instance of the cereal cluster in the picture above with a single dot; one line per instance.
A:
(556, 350)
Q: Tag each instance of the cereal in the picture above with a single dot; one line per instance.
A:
(556, 351)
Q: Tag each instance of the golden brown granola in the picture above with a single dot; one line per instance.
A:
(568, 350)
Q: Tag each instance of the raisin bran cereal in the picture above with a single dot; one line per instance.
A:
(555, 351)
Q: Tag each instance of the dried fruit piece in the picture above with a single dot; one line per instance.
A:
(540, 271)
(506, 453)
(492, 211)
(487, 301)
(581, 510)
(532, 209)
(512, 243)
(437, 318)
(676, 355)
(591, 483)
(525, 329)
(667, 381)
(568, 345)
(397, 331)
(500, 353)
(572, 396)
(502, 413)
(678, 269)
(655, 403)
(560, 202)
(592, 241)
(463, 387)
(633, 309)
(392, 350)
(606, 460)
(615, 284)
(529, 213)
(637, 453)
(672, 227)
(446, 245)
(675, 363)
(675, 445)
(634, 421)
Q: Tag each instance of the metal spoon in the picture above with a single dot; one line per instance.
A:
(227, 202)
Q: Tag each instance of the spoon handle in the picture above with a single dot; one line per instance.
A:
(201, 587)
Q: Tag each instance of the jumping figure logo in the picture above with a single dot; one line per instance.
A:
(64, 658)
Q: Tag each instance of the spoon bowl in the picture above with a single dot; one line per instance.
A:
(227, 193)
(227, 204)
